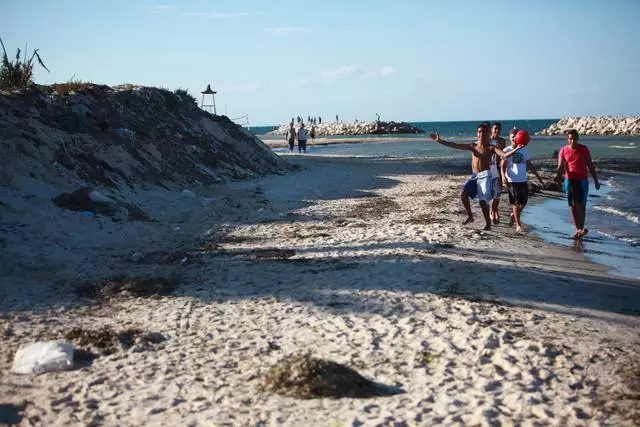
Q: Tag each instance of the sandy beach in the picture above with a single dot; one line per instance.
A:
(363, 262)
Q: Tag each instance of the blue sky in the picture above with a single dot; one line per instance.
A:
(407, 60)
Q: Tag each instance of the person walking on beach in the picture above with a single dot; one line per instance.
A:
(496, 183)
(302, 139)
(574, 161)
(312, 134)
(479, 185)
(291, 137)
(514, 177)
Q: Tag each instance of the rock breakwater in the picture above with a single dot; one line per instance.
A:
(601, 125)
(353, 128)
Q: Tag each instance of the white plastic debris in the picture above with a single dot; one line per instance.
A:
(43, 356)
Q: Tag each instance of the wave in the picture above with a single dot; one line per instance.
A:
(622, 146)
(633, 241)
(631, 217)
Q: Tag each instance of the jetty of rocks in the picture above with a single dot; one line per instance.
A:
(353, 128)
(600, 125)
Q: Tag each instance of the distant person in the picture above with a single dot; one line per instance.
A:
(336, 118)
(291, 137)
(312, 134)
(514, 178)
(302, 139)
(319, 120)
(574, 161)
(496, 141)
(480, 183)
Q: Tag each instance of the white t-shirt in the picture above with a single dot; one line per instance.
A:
(302, 134)
(516, 169)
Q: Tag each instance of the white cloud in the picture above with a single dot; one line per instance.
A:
(387, 71)
(288, 30)
(218, 15)
(161, 7)
(342, 72)
(301, 82)
(244, 87)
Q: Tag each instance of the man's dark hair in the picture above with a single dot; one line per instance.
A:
(485, 125)
(498, 124)
(573, 133)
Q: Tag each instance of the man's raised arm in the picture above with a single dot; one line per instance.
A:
(436, 138)
(504, 154)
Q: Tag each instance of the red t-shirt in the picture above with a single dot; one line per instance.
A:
(576, 160)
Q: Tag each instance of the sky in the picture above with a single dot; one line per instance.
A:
(422, 60)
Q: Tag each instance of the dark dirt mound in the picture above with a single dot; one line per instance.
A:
(125, 137)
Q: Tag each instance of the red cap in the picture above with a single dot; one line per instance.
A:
(522, 137)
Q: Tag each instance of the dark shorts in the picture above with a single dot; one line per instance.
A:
(518, 193)
(577, 190)
(302, 145)
(471, 187)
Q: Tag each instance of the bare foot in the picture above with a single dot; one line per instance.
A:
(487, 227)
(577, 235)
(467, 221)
(496, 220)
(512, 220)
(584, 232)
(519, 229)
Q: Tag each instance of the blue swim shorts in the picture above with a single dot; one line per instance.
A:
(577, 190)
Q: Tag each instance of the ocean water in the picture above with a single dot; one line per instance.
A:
(613, 212)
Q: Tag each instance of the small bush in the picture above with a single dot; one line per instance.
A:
(71, 86)
(19, 73)
(184, 95)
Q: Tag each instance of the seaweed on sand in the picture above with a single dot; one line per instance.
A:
(306, 377)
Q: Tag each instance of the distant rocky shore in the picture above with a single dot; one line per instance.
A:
(601, 125)
(353, 128)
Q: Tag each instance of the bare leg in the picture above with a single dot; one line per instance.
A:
(485, 212)
(517, 209)
(495, 212)
(464, 198)
(574, 217)
(580, 215)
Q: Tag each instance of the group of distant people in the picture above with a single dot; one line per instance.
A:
(496, 166)
(300, 136)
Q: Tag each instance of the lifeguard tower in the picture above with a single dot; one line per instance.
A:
(209, 107)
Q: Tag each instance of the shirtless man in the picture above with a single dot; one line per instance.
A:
(481, 152)
(496, 184)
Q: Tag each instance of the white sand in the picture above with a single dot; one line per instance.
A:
(384, 278)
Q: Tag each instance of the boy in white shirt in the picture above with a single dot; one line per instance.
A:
(514, 177)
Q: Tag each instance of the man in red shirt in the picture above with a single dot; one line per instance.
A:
(574, 161)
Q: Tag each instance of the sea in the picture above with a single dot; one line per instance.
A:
(613, 212)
